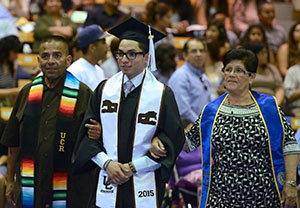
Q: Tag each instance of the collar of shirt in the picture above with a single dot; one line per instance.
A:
(83, 61)
(193, 69)
(59, 86)
(137, 80)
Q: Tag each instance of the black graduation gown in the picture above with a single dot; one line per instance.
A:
(170, 131)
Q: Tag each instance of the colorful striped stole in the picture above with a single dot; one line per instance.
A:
(62, 152)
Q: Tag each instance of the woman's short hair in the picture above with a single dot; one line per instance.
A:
(248, 58)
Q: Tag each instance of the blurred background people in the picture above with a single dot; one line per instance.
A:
(190, 85)
(275, 33)
(7, 23)
(53, 22)
(268, 79)
(110, 65)
(212, 69)
(91, 41)
(256, 33)
(159, 16)
(9, 48)
(292, 89)
(105, 15)
(289, 53)
(232, 37)
(216, 34)
(165, 56)
(243, 15)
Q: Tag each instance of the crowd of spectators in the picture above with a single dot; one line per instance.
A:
(249, 24)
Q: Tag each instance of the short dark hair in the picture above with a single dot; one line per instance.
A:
(165, 54)
(248, 58)
(186, 44)
(144, 47)
(261, 3)
(56, 38)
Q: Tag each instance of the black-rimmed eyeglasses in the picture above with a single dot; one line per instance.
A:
(130, 55)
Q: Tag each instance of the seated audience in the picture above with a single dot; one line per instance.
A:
(232, 37)
(53, 23)
(292, 89)
(182, 14)
(105, 15)
(275, 33)
(212, 69)
(289, 53)
(268, 79)
(216, 34)
(165, 55)
(256, 33)
(9, 48)
(158, 15)
(7, 23)
(244, 14)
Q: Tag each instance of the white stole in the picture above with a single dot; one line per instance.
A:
(146, 123)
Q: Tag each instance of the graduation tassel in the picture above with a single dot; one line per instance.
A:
(151, 65)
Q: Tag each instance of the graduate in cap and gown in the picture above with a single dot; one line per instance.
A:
(132, 108)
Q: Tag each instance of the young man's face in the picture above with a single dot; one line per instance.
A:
(267, 14)
(133, 67)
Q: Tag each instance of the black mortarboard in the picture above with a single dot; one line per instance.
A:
(132, 29)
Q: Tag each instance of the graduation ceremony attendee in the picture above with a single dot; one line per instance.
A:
(132, 108)
(276, 35)
(52, 22)
(189, 83)
(105, 15)
(91, 41)
(249, 152)
(41, 133)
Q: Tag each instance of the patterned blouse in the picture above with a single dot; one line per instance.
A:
(242, 171)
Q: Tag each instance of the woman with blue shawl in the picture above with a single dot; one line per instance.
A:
(249, 153)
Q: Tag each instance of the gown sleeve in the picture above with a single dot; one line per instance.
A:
(85, 148)
(170, 132)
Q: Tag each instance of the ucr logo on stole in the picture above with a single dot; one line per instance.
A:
(145, 118)
(109, 107)
(62, 141)
(108, 188)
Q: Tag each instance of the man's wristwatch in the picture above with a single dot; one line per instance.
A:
(292, 183)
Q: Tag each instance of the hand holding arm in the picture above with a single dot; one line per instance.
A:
(157, 149)
(93, 129)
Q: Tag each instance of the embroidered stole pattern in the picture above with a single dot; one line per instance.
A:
(29, 140)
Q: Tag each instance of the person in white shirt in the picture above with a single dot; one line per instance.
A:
(91, 41)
